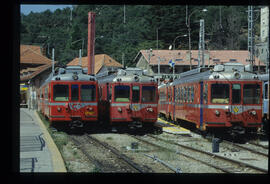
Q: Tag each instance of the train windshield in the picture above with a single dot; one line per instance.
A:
(60, 92)
(121, 93)
(148, 94)
(220, 93)
(88, 92)
(251, 94)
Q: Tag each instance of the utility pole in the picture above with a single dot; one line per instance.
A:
(124, 21)
(52, 61)
(250, 36)
(201, 44)
(80, 57)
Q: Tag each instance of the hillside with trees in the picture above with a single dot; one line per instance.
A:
(66, 30)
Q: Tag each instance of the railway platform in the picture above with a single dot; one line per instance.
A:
(38, 152)
(170, 127)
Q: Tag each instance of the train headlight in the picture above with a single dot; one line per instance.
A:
(253, 113)
(149, 109)
(119, 109)
(217, 113)
(136, 78)
(237, 75)
(75, 77)
(90, 108)
(59, 109)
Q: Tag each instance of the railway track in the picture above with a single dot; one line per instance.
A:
(224, 164)
(115, 161)
(251, 147)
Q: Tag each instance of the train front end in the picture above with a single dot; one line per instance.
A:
(73, 99)
(134, 100)
(234, 101)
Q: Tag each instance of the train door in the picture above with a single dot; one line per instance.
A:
(135, 101)
(173, 103)
(201, 106)
(169, 100)
(237, 103)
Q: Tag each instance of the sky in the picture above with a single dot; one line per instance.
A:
(27, 8)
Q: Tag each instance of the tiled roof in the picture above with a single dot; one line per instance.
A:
(32, 54)
(100, 60)
(36, 70)
(181, 56)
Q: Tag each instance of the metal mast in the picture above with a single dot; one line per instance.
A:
(201, 44)
(250, 36)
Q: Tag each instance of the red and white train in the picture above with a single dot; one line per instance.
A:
(71, 96)
(227, 96)
(128, 97)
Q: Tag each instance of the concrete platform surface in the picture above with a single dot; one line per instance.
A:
(38, 152)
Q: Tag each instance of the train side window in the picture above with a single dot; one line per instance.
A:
(185, 94)
(169, 94)
(74, 92)
(176, 95)
(192, 93)
(236, 93)
(266, 91)
(205, 93)
(135, 93)
(181, 95)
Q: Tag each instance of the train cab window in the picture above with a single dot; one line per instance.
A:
(74, 92)
(148, 94)
(88, 93)
(236, 93)
(121, 93)
(251, 94)
(135, 93)
(60, 92)
(220, 93)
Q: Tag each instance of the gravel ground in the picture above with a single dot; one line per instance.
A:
(75, 160)
(123, 142)
(225, 149)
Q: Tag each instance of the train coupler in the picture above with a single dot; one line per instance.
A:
(136, 124)
(76, 124)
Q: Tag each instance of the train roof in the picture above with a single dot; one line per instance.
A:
(70, 73)
(227, 71)
(127, 75)
(264, 77)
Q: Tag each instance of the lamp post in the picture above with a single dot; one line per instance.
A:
(189, 40)
(149, 57)
(176, 38)
(81, 50)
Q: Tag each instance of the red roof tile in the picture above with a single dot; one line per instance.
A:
(32, 54)
(181, 56)
(100, 60)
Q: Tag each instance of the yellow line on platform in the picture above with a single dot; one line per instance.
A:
(174, 127)
(58, 163)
